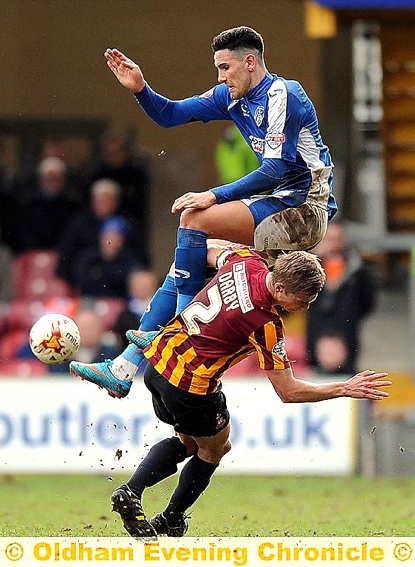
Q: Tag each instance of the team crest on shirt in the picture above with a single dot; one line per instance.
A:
(274, 141)
(259, 115)
(279, 349)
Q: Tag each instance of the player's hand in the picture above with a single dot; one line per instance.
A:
(127, 72)
(366, 384)
(202, 200)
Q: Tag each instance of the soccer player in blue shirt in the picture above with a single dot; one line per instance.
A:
(285, 204)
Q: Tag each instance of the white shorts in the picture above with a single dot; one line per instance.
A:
(297, 228)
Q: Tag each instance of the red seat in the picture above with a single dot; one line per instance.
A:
(34, 275)
(11, 342)
(23, 313)
(22, 368)
(4, 313)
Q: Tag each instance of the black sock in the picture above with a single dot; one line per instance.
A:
(194, 479)
(160, 463)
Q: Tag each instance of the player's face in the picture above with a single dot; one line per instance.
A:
(233, 71)
(291, 302)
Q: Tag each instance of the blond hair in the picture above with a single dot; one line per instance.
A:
(299, 272)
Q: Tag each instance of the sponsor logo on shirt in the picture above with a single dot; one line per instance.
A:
(242, 287)
(257, 144)
(274, 141)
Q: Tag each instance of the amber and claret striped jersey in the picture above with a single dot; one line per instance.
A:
(232, 317)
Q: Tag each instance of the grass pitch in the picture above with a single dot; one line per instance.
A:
(79, 506)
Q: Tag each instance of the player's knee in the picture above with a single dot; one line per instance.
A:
(187, 219)
(193, 219)
(214, 454)
(227, 447)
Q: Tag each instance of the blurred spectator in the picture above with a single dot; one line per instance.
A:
(6, 272)
(55, 146)
(348, 296)
(102, 271)
(141, 286)
(9, 208)
(95, 341)
(82, 233)
(332, 354)
(233, 157)
(130, 169)
(47, 206)
(96, 344)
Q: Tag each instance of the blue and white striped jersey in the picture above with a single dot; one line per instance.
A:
(277, 120)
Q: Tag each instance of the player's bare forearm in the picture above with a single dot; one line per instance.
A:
(366, 384)
(215, 247)
(212, 255)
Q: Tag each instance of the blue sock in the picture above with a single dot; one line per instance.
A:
(190, 265)
(133, 354)
(161, 308)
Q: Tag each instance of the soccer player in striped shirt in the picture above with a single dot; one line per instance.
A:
(233, 317)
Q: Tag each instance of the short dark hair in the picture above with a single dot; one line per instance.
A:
(299, 272)
(241, 37)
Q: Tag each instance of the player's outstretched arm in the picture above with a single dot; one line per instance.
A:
(366, 384)
(127, 72)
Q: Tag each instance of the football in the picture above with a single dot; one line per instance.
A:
(54, 338)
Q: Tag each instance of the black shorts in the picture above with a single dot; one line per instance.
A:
(191, 414)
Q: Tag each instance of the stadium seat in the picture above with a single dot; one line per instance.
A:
(23, 313)
(22, 369)
(11, 342)
(34, 275)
